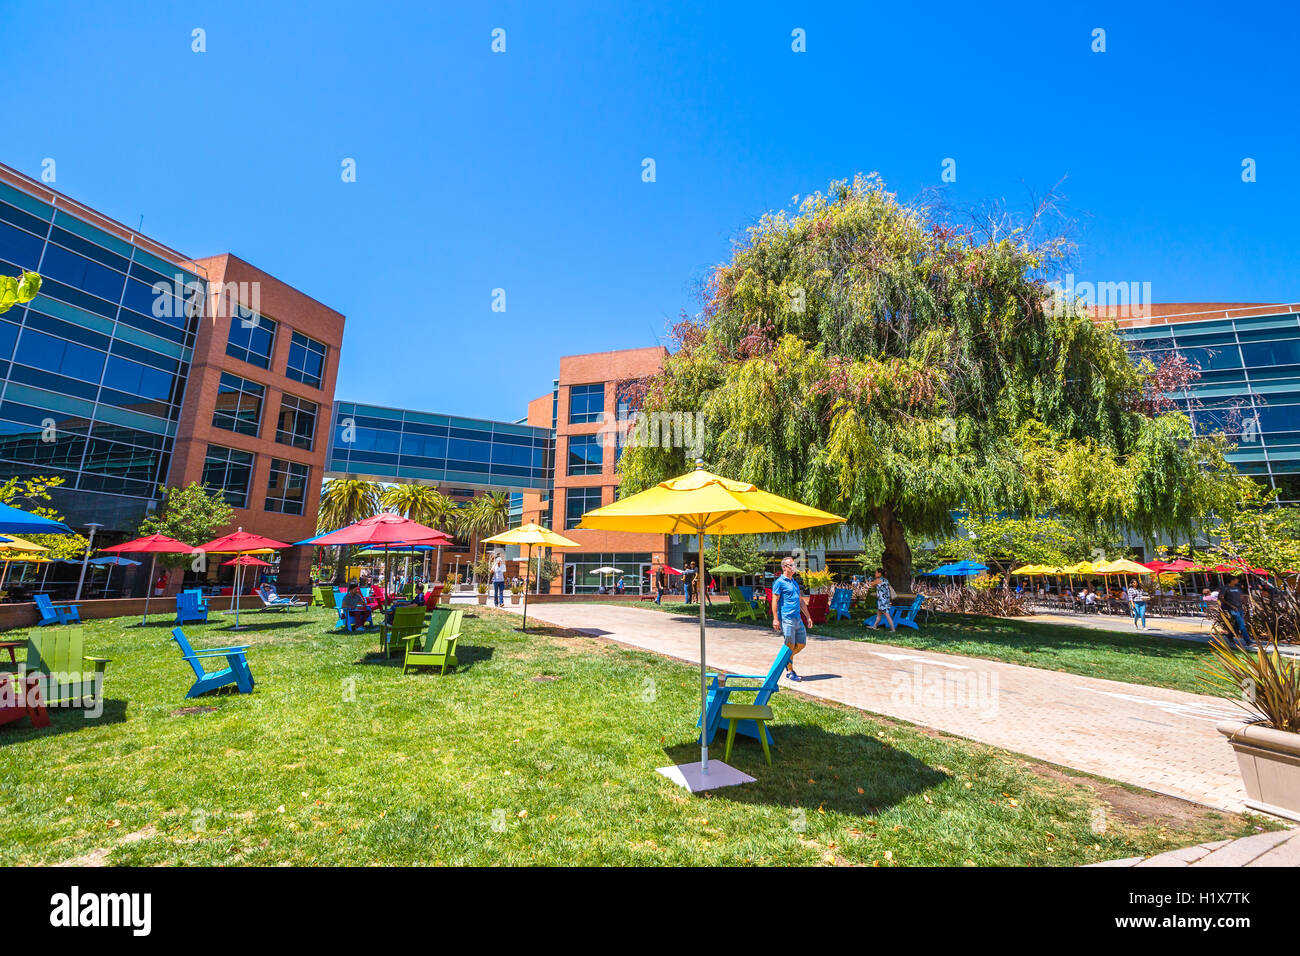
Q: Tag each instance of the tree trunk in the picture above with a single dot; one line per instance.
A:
(897, 557)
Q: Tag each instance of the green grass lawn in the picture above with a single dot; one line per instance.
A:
(542, 749)
(1114, 655)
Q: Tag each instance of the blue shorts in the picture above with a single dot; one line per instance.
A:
(794, 633)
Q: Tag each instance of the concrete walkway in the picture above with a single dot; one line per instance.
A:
(1280, 848)
(1163, 740)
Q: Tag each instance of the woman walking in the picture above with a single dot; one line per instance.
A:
(1137, 602)
(884, 598)
(499, 581)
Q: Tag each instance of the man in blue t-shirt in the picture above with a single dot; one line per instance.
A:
(789, 614)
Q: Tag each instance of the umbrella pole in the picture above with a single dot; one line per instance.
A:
(527, 561)
(148, 589)
(238, 569)
(704, 690)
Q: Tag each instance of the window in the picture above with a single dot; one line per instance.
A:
(306, 360)
(287, 490)
(229, 471)
(60, 357)
(577, 502)
(297, 425)
(252, 337)
(239, 405)
(586, 404)
(584, 454)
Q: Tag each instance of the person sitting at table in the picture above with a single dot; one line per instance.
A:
(355, 606)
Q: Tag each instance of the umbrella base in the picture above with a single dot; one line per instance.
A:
(689, 776)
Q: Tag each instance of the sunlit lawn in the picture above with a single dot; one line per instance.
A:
(1111, 654)
(542, 748)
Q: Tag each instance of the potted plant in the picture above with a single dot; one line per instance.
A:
(1267, 744)
(820, 584)
(482, 592)
(516, 589)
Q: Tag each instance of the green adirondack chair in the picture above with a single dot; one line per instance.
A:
(68, 675)
(741, 607)
(407, 622)
(324, 597)
(439, 643)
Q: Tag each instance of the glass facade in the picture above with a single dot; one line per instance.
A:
(239, 405)
(580, 576)
(1249, 387)
(391, 444)
(252, 338)
(297, 422)
(92, 371)
(287, 489)
(584, 454)
(306, 360)
(586, 404)
(230, 471)
(577, 502)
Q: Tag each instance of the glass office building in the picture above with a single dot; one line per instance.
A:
(395, 445)
(1249, 385)
(93, 371)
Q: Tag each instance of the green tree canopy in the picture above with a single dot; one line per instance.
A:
(194, 514)
(862, 357)
(33, 495)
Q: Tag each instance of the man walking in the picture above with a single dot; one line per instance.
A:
(790, 613)
(661, 583)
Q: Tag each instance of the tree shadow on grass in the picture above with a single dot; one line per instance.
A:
(63, 720)
(836, 764)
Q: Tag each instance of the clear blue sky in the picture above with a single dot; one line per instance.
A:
(522, 170)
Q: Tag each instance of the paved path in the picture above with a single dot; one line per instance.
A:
(1280, 848)
(1163, 740)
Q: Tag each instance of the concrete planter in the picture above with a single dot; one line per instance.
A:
(514, 599)
(1269, 761)
(482, 599)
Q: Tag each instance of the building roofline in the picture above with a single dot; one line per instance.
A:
(59, 200)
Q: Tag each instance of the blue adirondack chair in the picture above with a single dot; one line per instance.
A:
(236, 672)
(719, 694)
(66, 614)
(190, 606)
(840, 602)
(747, 592)
(904, 615)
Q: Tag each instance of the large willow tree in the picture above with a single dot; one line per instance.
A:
(862, 357)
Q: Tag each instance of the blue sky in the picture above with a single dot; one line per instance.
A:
(522, 170)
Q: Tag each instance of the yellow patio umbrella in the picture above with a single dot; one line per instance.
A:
(703, 503)
(1033, 569)
(16, 549)
(531, 534)
(1123, 566)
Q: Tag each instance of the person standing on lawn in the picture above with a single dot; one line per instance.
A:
(790, 614)
(499, 581)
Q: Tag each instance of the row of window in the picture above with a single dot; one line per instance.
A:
(252, 340)
(239, 409)
(577, 502)
(231, 471)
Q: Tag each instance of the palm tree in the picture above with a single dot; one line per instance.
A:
(344, 501)
(423, 504)
(483, 517)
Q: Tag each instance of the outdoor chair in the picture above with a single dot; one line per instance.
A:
(50, 614)
(841, 602)
(439, 648)
(20, 696)
(58, 658)
(741, 607)
(190, 607)
(904, 615)
(759, 714)
(721, 688)
(273, 602)
(205, 681)
(408, 621)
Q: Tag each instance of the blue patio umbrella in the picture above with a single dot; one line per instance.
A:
(16, 521)
(958, 569)
(112, 561)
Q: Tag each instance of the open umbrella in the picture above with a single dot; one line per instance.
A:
(704, 503)
(153, 545)
(111, 563)
(240, 543)
(16, 549)
(16, 521)
(529, 535)
(384, 529)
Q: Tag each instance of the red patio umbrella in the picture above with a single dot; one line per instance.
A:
(154, 544)
(240, 543)
(246, 561)
(381, 529)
